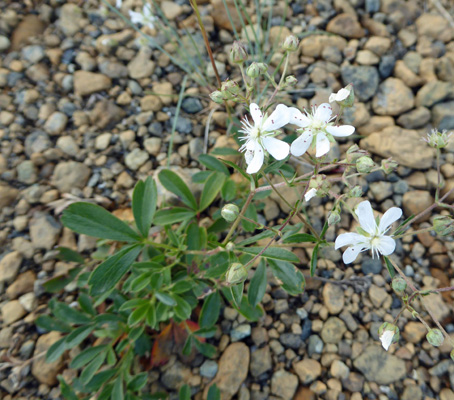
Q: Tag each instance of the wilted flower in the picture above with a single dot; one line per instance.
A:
(437, 139)
(290, 43)
(364, 164)
(399, 285)
(344, 97)
(370, 236)
(237, 273)
(388, 334)
(435, 337)
(443, 225)
(229, 212)
(318, 128)
(238, 54)
(145, 18)
(259, 136)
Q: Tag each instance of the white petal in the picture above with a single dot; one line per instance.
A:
(389, 217)
(386, 339)
(256, 113)
(118, 3)
(296, 117)
(366, 217)
(311, 193)
(340, 131)
(386, 245)
(322, 145)
(347, 239)
(301, 144)
(332, 97)
(136, 17)
(323, 112)
(342, 94)
(278, 118)
(257, 161)
(277, 148)
(352, 252)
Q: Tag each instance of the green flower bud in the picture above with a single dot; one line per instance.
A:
(388, 334)
(253, 71)
(291, 80)
(237, 273)
(435, 337)
(238, 54)
(364, 164)
(230, 212)
(318, 185)
(355, 192)
(230, 246)
(290, 43)
(230, 89)
(344, 97)
(217, 96)
(399, 285)
(334, 217)
(438, 140)
(443, 225)
(388, 166)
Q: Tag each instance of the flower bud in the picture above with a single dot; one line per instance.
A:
(435, 337)
(437, 139)
(364, 164)
(230, 212)
(217, 96)
(355, 192)
(253, 71)
(388, 166)
(238, 54)
(443, 225)
(344, 97)
(291, 80)
(388, 334)
(230, 246)
(237, 273)
(399, 285)
(290, 43)
(333, 217)
(230, 89)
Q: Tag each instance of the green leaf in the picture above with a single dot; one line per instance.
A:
(173, 215)
(166, 299)
(141, 282)
(69, 255)
(257, 286)
(183, 309)
(228, 190)
(99, 379)
(292, 279)
(399, 229)
(109, 273)
(210, 310)
(184, 393)
(138, 382)
(188, 345)
(237, 293)
(206, 332)
(93, 220)
(56, 350)
(173, 183)
(85, 356)
(133, 303)
(201, 177)
(389, 267)
(59, 282)
(117, 391)
(237, 168)
(324, 229)
(50, 324)
(138, 315)
(300, 238)
(245, 309)
(253, 239)
(273, 253)
(208, 350)
(314, 259)
(225, 151)
(213, 163)
(66, 390)
(78, 335)
(68, 314)
(144, 200)
(86, 304)
(211, 189)
(214, 393)
(251, 213)
(90, 370)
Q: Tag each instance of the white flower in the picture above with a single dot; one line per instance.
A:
(145, 17)
(317, 125)
(339, 96)
(259, 136)
(386, 339)
(118, 3)
(371, 236)
(310, 193)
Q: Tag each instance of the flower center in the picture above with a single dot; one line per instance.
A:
(375, 241)
(254, 133)
(316, 124)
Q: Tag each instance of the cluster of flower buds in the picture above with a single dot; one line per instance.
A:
(364, 164)
(443, 225)
(344, 97)
(334, 217)
(290, 44)
(435, 337)
(354, 152)
(229, 91)
(237, 273)
(388, 334)
(388, 165)
(399, 285)
(256, 69)
(437, 139)
(230, 212)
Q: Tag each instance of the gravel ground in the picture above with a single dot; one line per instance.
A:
(86, 109)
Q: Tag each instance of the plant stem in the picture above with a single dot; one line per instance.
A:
(238, 218)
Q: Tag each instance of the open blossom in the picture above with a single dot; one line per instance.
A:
(259, 136)
(318, 127)
(145, 18)
(339, 96)
(371, 236)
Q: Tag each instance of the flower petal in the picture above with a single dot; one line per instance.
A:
(386, 245)
(342, 94)
(256, 114)
(136, 17)
(311, 193)
(366, 217)
(347, 239)
(322, 145)
(277, 148)
(386, 339)
(332, 97)
(301, 144)
(323, 112)
(278, 118)
(257, 161)
(352, 252)
(389, 217)
(340, 131)
(296, 117)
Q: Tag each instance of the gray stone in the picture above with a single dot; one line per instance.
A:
(56, 123)
(9, 266)
(416, 118)
(44, 231)
(333, 298)
(191, 105)
(70, 19)
(69, 175)
(37, 142)
(393, 98)
(68, 145)
(261, 361)
(434, 92)
(333, 330)
(4, 43)
(364, 79)
(183, 125)
(240, 332)
(315, 345)
(26, 172)
(113, 69)
(33, 53)
(291, 340)
(141, 65)
(379, 366)
(284, 384)
(308, 370)
(208, 369)
(136, 158)
(195, 148)
(176, 376)
(43, 371)
(443, 116)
